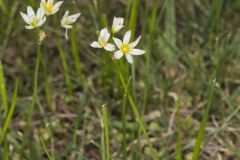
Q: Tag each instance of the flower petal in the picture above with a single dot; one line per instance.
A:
(118, 54)
(102, 33)
(137, 52)
(109, 47)
(118, 42)
(135, 43)
(29, 27)
(25, 17)
(56, 7)
(40, 13)
(129, 58)
(30, 11)
(95, 45)
(73, 17)
(66, 14)
(127, 37)
(106, 37)
(67, 26)
(42, 21)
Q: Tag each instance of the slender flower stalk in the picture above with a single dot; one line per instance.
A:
(103, 41)
(49, 6)
(33, 20)
(126, 48)
(67, 20)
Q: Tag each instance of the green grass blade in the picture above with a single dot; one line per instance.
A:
(179, 139)
(197, 147)
(3, 88)
(170, 30)
(45, 148)
(65, 68)
(135, 110)
(10, 113)
(106, 131)
(75, 54)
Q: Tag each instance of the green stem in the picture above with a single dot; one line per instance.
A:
(3, 88)
(106, 129)
(135, 110)
(65, 68)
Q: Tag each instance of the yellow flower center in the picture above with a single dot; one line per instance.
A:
(34, 22)
(125, 48)
(102, 42)
(48, 7)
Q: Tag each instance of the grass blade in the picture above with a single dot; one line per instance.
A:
(179, 139)
(197, 147)
(9, 115)
(3, 88)
(106, 130)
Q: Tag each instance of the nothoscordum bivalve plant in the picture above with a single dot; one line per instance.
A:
(33, 20)
(67, 20)
(49, 6)
(117, 24)
(126, 48)
(103, 41)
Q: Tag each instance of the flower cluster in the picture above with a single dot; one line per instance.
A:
(47, 8)
(121, 47)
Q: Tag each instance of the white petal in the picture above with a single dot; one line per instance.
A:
(56, 7)
(25, 17)
(42, 21)
(106, 37)
(135, 43)
(67, 26)
(129, 58)
(73, 17)
(95, 45)
(118, 42)
(118, 54)
(137, 52)
(40, 13)
(65, 14)
(50, 1)
(29, 27)
(30, 11)
(127, 37)
(43, 1)
(102, 33)
(110, 47)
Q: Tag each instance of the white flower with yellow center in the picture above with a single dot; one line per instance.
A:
(126, 48)
(33, 20)
(49, 6)
(103, 41)
(68, 20)
(117, 24)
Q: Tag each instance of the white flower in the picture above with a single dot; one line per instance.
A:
(126, 48)
(117, 24)
(49, 6)
(103, 41)
(33, 20)
(68, 20)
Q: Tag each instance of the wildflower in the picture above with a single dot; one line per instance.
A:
(117, 24)
(126, 48)
(68, 20)
(49, 6)
(33, 20)
(103, 41)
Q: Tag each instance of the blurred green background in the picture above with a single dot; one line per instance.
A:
(191, 45)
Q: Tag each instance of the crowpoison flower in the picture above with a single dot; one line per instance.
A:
(67, 20)
(103, 41)
(126, 48)
(117, 24)
(33, 20)
(49, 6)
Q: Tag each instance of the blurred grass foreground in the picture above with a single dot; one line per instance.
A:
(63, 99)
